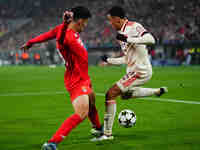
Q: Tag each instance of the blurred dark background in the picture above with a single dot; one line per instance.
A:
(176, 24)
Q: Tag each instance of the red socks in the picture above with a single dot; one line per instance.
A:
(94, 117)
(72, 122)
(65, 128)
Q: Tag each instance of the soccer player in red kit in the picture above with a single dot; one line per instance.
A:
(76, 78)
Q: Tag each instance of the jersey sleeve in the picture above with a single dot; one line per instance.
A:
(51, 34)
(74, 44)
(145, 39)
(61, 33)
(138, 29)
(140, 35)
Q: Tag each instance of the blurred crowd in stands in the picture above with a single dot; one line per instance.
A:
(169, 20)
(3, 26)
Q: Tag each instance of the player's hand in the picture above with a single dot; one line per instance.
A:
(25, 47)
(121, 37)
(104, 58)
(67, 17)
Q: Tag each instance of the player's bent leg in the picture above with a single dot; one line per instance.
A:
(81, 108)
(111, 107)
(133, 89)
(66, 127)
(109, 116)
(144, 92)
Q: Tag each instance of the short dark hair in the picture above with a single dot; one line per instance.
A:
(81, 12)
(117, 11)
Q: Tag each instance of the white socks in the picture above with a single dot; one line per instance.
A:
(111, 107)
(142, 92)
(109, 117)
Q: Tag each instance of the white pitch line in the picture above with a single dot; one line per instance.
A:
(32, 93)
(98, 94)
(162, 99)
(172, 100)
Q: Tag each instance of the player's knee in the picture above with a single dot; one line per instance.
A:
(112, 93)
(82, 110)
(109, 95)
(83, 113)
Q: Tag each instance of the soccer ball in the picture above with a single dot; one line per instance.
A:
(127, 118)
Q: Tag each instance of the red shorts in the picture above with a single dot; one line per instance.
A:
(84, 88)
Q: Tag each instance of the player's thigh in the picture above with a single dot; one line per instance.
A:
(132, 79)
(139, 82)
(81, 106)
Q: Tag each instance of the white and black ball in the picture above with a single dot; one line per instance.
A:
(127, 118)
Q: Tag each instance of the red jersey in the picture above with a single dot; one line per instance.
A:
(76, 58)
(73, 52)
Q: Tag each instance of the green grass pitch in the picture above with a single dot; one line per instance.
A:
(34, 103)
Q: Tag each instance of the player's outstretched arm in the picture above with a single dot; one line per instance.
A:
(51, 34)
(39, 39)
(116, 61)
(139, 36)
(113, 61)
(145, 39)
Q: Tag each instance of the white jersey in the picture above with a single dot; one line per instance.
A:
(135, 55)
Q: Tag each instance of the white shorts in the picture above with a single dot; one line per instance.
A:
(131, 80)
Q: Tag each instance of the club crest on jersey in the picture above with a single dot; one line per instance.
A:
(84, 89)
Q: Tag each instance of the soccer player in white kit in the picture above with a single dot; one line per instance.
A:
(133, 38)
